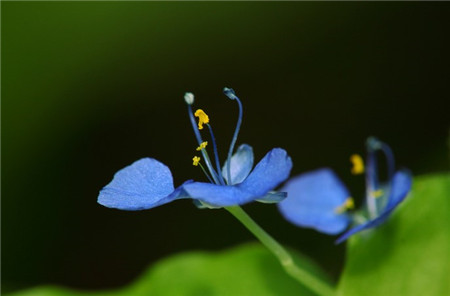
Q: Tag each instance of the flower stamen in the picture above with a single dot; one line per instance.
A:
(189, 98)
(202, 118)
(202, 145)
(198, 136)
(195, 160)
(377, 193)
(216, 155)
(358, 164)
(232, 96)
(349, 204)
(373, 147)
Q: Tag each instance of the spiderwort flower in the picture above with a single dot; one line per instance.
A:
(321, 201)
(148, 183)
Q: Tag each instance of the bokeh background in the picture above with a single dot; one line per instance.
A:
(88, 88)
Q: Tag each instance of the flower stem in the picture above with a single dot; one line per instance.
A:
(302, 276)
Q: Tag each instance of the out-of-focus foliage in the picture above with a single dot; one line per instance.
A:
(406, 256)
(245, 270)
(410, 255)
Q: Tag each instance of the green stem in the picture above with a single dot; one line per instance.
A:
(299, 274)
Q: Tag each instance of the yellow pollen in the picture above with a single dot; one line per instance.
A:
(377, 193)
(349, 204)
(202, 118)
(358, 164)
(195, 160)
(202, 146)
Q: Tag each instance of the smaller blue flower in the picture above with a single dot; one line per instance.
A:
(148, 183)
(320, 200)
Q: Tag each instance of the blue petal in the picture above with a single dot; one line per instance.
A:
(270, 172)
(273, 169)
(313, 199)
(145, 184)
(218, 195)
(400, 187)
(272, 197)
(240, 166)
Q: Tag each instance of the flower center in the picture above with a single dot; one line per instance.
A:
(215, 174)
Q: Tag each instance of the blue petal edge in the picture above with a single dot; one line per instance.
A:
(144, 184)
(312, 201)
(273, 169)
(400, 187)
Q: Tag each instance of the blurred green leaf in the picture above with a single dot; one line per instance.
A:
(409, 255)
(244, 270)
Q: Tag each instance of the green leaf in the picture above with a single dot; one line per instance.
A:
(244, 270)
(408, 255)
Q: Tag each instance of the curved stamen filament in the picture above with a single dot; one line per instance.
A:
(389, 159)
(373, 146)
(230, 94)
(200, 141)
(206, 173)
(371, 183)
(216, 154)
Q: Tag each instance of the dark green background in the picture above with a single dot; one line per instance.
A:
(87, 88)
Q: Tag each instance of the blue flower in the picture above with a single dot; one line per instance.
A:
(148, 183)
(321, 201)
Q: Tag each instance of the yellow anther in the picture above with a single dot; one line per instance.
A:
(377, 193)
(348, 204)
(358, 164)
(202, 118)
(196, 160)
(202, 146)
